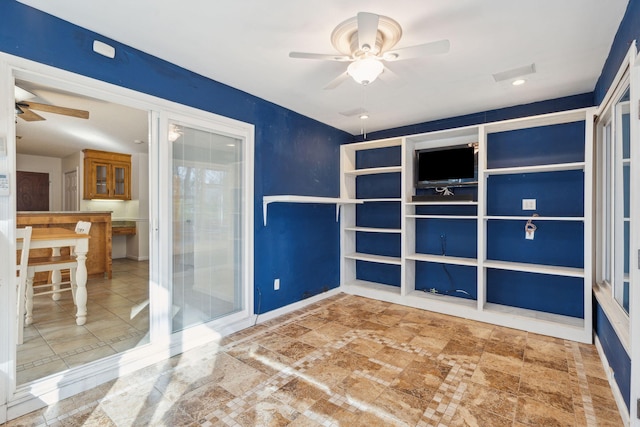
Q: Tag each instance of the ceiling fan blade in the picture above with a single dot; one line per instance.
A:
(367, 31)
(322, 56)
(337, 81)
(389, 76)
(21, 94)
(29, 116)
(81, 114)
(433, 48)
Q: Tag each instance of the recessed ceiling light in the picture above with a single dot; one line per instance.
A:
(518, 82)
(138, 141)
(231, 145)
(364, 116)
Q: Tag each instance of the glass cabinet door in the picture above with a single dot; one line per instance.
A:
(101, 179)
(120, 177)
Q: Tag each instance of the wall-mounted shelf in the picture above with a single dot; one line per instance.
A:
(374, 230)
(266, 200)
(371, 171)
(554, 167)
(533, 218)
(444, 203)
(443, 259)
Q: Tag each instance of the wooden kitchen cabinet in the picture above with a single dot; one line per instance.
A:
(107, 175)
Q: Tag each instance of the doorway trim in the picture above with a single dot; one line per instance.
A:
(19, 400)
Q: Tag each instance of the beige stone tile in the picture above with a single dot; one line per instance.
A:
(359, 389)
(41, 371)
(75, 343)
(301, 394)
(496, 379)
(201, 402)
(395, 357)
(401, 406)
(88, 356)
(472, 416)
(489, 399)
(267, 412)
(501, 363)
(364, 347)
(532, 412)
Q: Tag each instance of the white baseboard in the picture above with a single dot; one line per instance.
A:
(622, 407)
(296, 305)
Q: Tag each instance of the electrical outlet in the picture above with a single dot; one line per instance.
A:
(276, 284)
(528, 204)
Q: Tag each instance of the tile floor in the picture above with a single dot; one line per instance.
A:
(352, 361)
(118, 320)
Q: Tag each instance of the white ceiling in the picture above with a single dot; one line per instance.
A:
(245, 44)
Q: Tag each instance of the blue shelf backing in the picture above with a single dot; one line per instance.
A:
(556, 193)
(384, 185)
(559, 243)
(379, 273)
(447, 279)
(543, 145)
(385, 244)
(379, 157)
(541, 292)
(378, 215)
(453, 237)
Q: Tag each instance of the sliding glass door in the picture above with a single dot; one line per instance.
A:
(207, 217)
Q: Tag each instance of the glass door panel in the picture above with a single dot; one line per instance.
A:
(119, 178)
(207, 225)
(101, 180)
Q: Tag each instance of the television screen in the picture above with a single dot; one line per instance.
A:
(446, 167)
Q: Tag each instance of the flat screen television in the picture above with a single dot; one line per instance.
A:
(452, 166)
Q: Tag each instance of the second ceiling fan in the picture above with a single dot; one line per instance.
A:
(366, 41)
(24, 107)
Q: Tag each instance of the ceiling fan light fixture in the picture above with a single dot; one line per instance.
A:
(19, 110)
(365, 71)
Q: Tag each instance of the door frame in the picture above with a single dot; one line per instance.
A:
(19, 400)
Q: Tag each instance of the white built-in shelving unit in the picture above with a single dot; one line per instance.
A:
(476, 304)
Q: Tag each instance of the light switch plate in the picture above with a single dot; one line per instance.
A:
(528, 204)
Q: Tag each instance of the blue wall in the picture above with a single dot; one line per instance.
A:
(293, 154)
(628, 31)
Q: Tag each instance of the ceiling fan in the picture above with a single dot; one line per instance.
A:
(24, 107)
(366, 41)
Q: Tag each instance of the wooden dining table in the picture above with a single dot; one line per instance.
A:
(55, 238)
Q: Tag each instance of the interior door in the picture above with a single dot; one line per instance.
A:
(207, 191)
(32, 190)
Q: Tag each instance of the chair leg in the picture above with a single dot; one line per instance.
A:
(21, 309)
(28, 302)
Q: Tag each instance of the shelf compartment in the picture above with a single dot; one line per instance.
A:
(372, 171)
(573, 322)
(374, 230)
(443, 259)
(380, 259)
(555, 167)
(266, 200)
(535, 268)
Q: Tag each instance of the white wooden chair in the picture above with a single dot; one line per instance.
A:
(23, 238)
(54, 263)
